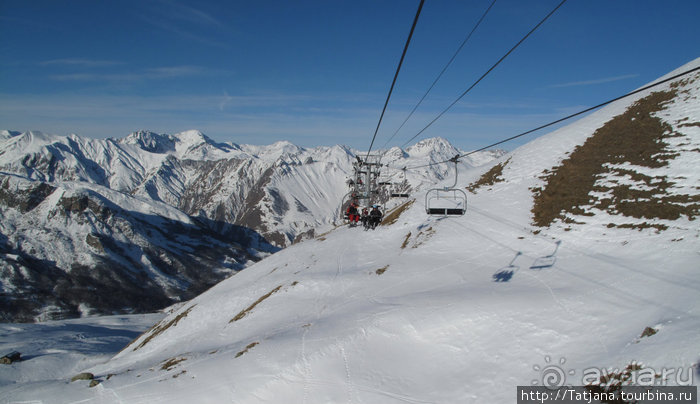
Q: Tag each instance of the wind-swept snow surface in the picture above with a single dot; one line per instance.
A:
(53, 349)
(437, 310)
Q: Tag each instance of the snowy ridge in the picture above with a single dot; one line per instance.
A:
(193, 173)
(435, 310)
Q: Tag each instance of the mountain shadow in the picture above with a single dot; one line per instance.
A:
(133, 262)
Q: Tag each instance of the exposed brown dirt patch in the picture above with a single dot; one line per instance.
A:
(634, 138)
(648, 332)
(381, 270)
(405, 241)
(490, 177)
(172, 362)
(250, 308)
(246, 349)
(393, 216)
(160, 327)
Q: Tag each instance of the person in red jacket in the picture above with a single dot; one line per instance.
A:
(353, 215)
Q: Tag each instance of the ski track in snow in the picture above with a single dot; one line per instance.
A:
(633, 272)
(350, 385)
(609, 287)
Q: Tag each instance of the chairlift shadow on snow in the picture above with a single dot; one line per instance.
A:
(547, 261)
(506, 273)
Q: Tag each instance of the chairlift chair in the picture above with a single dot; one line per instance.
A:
(447, 201)
(395, 188)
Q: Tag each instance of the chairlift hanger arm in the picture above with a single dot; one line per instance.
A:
(454, 159)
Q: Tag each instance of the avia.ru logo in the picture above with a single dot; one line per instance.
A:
(552, 376)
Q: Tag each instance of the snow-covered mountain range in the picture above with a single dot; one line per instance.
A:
(152, 219)
(578, 255)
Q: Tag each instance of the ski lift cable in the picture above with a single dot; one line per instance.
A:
(396, 75)
(439, 76)
(562, 119)
(485, 74)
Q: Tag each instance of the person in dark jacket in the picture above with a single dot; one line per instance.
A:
(375, 217)
(365, 218)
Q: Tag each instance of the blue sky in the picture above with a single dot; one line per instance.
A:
(317, 72)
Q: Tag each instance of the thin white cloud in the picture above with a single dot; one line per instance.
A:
(307, 120)
(90, 77)
(177, 11)
(255, 119)
(226, 99)
(87, 63)
(594, 81)
(177, 71)
(183, 20)
(156, 73)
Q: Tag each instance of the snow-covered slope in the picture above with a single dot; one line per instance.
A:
(448, 310)
(52, 349)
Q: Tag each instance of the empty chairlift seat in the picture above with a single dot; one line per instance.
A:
(446, 211)
(446, 202)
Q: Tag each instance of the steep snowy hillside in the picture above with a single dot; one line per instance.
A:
(460, 309)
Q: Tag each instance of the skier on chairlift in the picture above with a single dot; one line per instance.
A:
(375, 217)
(365, 218)
(353, 215)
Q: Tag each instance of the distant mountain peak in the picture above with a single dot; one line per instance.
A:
(192, 136)
(194, 144)
(286, 147)
(151, 141)
(432, 145)
(6, 134)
